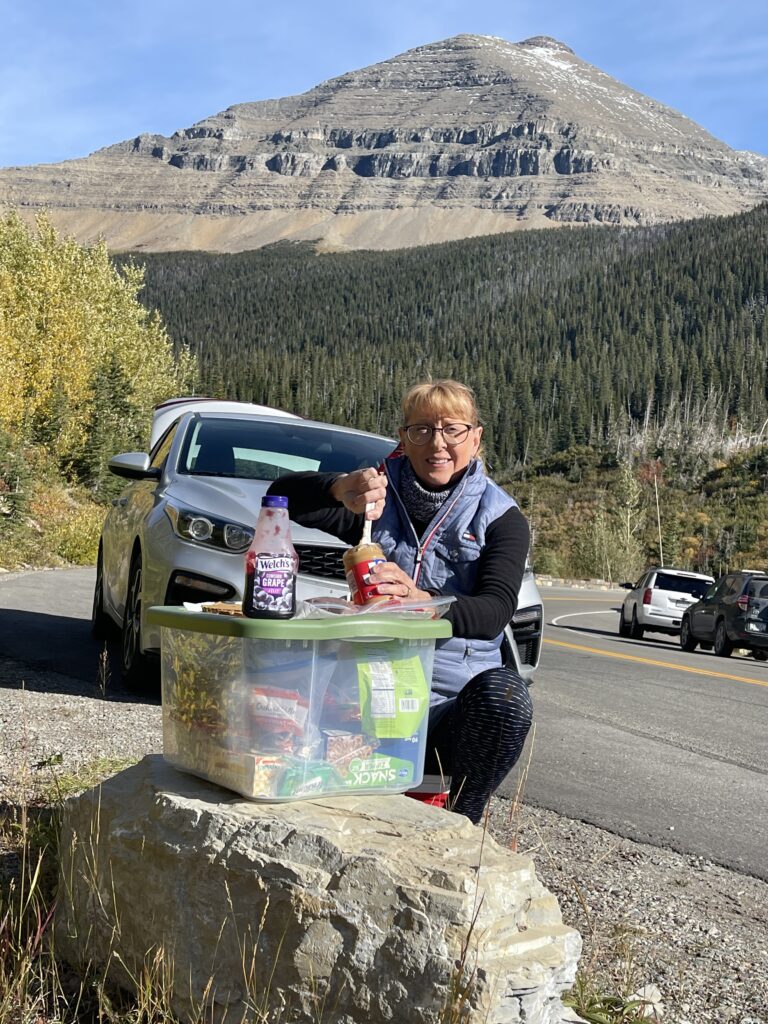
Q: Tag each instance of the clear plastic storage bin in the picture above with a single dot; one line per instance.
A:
(284, 710)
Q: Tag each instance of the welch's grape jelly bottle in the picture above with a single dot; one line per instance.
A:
(271, 564)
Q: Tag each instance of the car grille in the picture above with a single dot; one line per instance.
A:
(319, 561)
(528, 637)
(528, 648)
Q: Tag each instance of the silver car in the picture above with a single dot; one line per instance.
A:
(657, 601)
(180, 530)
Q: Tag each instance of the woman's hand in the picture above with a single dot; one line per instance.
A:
(390, 580)
(361, 488)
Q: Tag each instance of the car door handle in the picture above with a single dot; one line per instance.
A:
(119, 502)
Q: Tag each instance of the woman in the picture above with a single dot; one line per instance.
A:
(445, 528)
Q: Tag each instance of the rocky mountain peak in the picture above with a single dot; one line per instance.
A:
(547, 43)
(464, 136)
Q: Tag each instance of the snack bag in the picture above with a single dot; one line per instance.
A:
(380, 771)
(394, 695)
(278, 719)
(310, 779)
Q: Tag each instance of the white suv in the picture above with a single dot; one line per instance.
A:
(657, 601)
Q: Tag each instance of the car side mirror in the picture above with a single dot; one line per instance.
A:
(133, 466)
(627, 586)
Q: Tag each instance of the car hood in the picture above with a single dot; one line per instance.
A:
(238, 501)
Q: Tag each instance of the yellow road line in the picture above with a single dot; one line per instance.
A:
(660, 664)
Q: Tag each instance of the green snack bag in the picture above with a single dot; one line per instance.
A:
(380, 772)
(310, 779)
(394, 696)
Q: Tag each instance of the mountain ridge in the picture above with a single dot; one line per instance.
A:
(465, 136)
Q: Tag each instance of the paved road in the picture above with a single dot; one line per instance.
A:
(635, 736)
(647, 741)
(45, 623)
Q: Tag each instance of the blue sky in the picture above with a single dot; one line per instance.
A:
(76, 75)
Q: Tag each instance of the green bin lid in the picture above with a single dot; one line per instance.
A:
(341, 627)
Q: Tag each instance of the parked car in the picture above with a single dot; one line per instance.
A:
(732, 613)
(180, 529)
(657, 601)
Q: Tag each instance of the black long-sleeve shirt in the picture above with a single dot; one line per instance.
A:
(479, 616)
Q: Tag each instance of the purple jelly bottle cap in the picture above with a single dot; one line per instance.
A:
(274, 501)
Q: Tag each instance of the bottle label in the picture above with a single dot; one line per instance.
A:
(274, 584)
(359, 580)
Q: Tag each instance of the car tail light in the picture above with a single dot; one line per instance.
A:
(647, 593)
(743, 602)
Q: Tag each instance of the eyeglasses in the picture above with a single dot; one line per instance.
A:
(453, 434)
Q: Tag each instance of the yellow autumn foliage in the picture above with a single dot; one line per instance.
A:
(69, 524)
(65, 313)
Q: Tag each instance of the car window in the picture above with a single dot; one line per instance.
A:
(257, 450)
(735, 585)
(758, 587)
(680, 584)
(163, 446)
(717, 588)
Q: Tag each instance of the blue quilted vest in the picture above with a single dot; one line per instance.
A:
(445, 560)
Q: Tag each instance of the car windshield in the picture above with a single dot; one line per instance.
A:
(758, 588)
(260, 450)
(681, 584)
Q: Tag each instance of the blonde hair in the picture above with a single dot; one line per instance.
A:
(437, 398)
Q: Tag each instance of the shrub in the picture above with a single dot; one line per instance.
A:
(547, 562)
(15, 479)
(76, 538)
(68, 522)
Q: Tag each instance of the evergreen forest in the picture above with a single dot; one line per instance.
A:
(571, 336)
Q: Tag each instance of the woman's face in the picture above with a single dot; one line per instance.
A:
(438, 463)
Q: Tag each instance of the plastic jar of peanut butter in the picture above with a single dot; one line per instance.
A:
(358, 562)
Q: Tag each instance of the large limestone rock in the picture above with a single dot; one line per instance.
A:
(348, 910)
(468, 136)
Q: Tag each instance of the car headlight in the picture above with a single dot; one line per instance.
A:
(527, 616)
(203, 528)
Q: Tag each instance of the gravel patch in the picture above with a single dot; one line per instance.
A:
(53, 725)
(648, 916)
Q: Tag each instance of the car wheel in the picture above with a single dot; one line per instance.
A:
(635, 629)
(687, 639)
(102, 626)
(723, 646)
(623, 624)
(137, 669)
(760, 655)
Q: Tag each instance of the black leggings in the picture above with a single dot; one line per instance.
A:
(477, 736)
